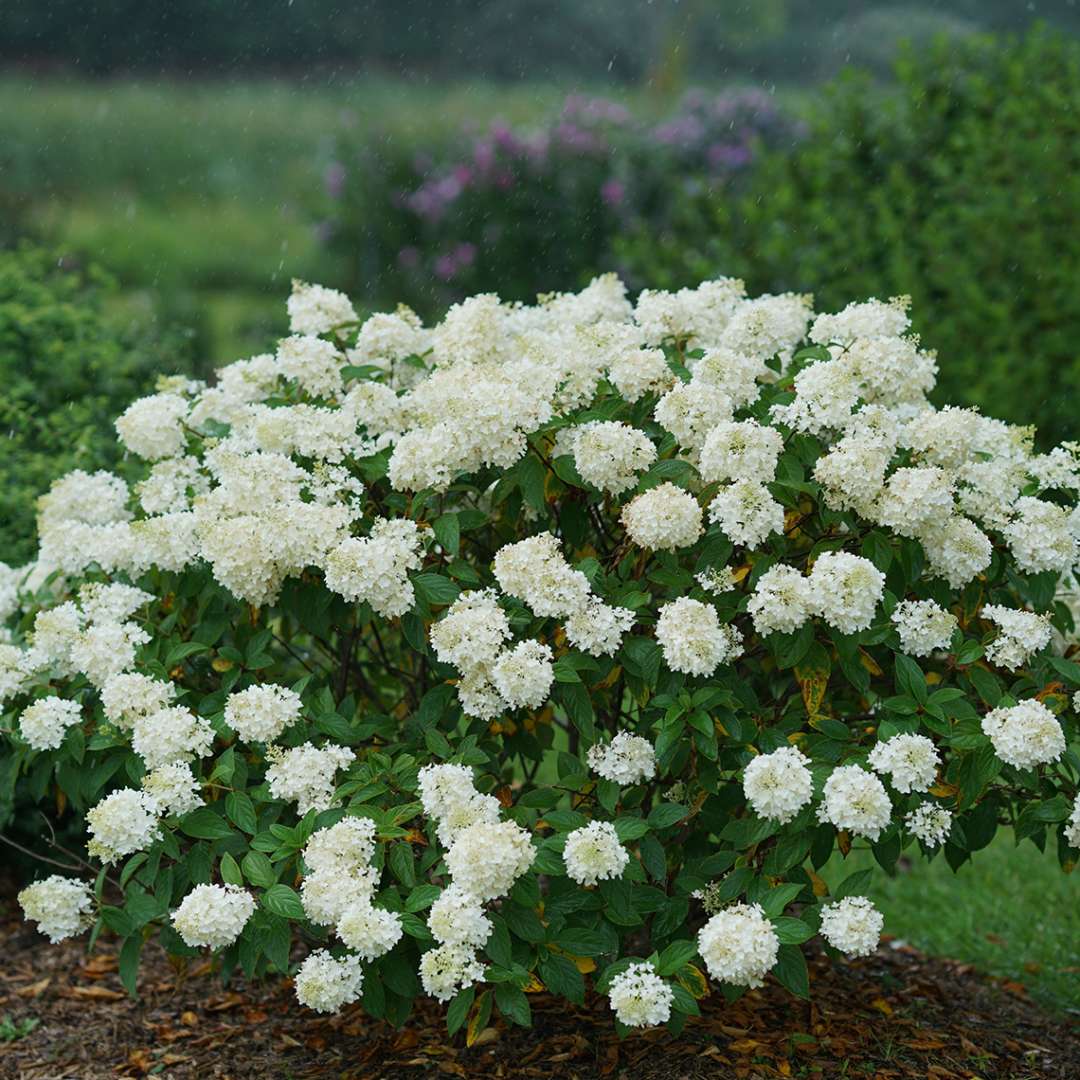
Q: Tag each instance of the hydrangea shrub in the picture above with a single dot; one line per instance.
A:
(553, 646)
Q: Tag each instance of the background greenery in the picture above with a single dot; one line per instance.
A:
(953, 179)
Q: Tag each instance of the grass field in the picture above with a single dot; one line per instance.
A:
(1011, 912)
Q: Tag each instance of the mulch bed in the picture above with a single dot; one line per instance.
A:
(897, 1014)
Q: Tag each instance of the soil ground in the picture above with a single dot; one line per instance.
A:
(895, 1015)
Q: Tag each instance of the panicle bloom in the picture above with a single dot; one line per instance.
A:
(151, 427)
(741, 450)
(593, 852)
(691, 410)
(213, 916)
(305, 774)
(313, 363)
(315, 309)
(746, 513)
(62, 907)
(693, 639)
(262, 713)
(171, 734)
(778, 785)
(958, 551)
(1025, 735)
(1039, 537)
(534, 570)
(457, 918)
(923, 626)
(916, 499)
(129, 696)
(344, 848)
(523, 675)
(609, 455)
(852, 925)
(862, 319)
(598, 628)
(852, 473)
(663, 518)
(486, 859)
(627, 759)
(1021, 634)
(375, 568)
(739, 945)
(326, 983)
(717, 581)
(910, 761)
(637, 372)
(930, 823)
(639, 997)
(855, 800)
(447, 969)
(1072, 826)
(368, 931)
(45, 723)
(472, 632)
(121, 824)
(103, 650)
(847, 589)
(783, 599)
(328, 892)
(173, 788)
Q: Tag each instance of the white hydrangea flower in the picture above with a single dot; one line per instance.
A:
(106, 649)
(663, 518)
(929, 823)
(328, 892)
(856, 801)
(171, 734)
(639, 997)
(487, 858)
(627, 759)
(852, 925)
(457, 918)
(315, 309)
(783, 600)
(174, 788)
(916, 499)
(693, 639)
(375, 568)
(472, 632)
(958, 550)
(739, 945)
(910, 761)
(1040, 538)
(638, 372)
(62, 907)
(1025, 735)
(825, 394)
(1021, 634)
(213, 916)
(44, 723)
(594, 852)
(523, 675)
(778, 785)
(313, 363)
(535, 570)
(598, 628)
(112, 602)
(369, 931)
(847, 589)
(262, 713)
(862, 319)
(305, 774)
(325, 983)
(121, 824)
(852, 473)
(609, 455)
(923, 626)
(129, 696)
(152, 427)
(447, 969)
(1072, 826)
(741, 450)
(746, 513)
(691, 410)
(717, 581)
(345, 847)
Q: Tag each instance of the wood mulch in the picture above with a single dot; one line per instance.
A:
(896, 1015)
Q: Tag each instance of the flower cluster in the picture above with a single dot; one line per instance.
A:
(530, 638)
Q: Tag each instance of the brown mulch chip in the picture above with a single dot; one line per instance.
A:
(896, 1015)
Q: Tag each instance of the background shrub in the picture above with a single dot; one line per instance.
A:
(518, 208)
(961, 190)
(66, 368)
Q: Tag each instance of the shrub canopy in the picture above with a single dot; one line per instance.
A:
(550, 645)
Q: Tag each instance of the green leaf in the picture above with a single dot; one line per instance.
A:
(447, 528)
(458, 1010)
(675, 956)
(283, 900)
(129, 962)
(435, 589)
(631, 828)
(561, 977)
(665, 815)
(258, 869)
(581, 942)
(791, 970)
(182, 651)
(241, 811)
(791, 931)
(230, 870)
(205, 824)
(513, 1004)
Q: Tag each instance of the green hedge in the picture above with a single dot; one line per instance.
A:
(961, 189)
(66, 367)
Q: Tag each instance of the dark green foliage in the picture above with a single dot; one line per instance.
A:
(961, 190)
(66, 369)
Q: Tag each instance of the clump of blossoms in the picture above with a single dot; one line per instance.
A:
(550, 639)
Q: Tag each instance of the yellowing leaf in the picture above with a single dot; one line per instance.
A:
(534, 985)
(693, 981)
(817, 883)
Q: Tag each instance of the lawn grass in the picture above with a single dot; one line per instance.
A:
(1010, 912)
